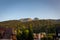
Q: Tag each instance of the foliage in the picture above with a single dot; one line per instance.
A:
(37, 25)
(27, 34)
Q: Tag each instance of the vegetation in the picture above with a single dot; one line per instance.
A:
(25, 30)
(37, 25)
(27, 34)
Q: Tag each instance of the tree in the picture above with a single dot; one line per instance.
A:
(30, 36)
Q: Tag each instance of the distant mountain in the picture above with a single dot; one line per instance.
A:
(26, 22)
(25, 19)
(38, 25)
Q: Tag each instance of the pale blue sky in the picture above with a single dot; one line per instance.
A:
(17, 9)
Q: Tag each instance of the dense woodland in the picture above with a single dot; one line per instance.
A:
(37, 25)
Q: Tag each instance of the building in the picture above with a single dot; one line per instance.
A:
(7, 34)
(57, 36)
(38, 36)
(58, 32)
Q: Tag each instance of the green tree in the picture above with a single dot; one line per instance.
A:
(30, 36)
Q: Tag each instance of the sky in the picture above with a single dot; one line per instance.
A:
(17, 9)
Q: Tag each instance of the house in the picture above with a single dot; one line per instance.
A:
(57, 36)
(7, 34)
(38, 36)
(58, 32)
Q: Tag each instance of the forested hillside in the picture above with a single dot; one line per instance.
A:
(38, 25)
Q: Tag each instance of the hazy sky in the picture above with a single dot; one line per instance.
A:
(16, 9)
